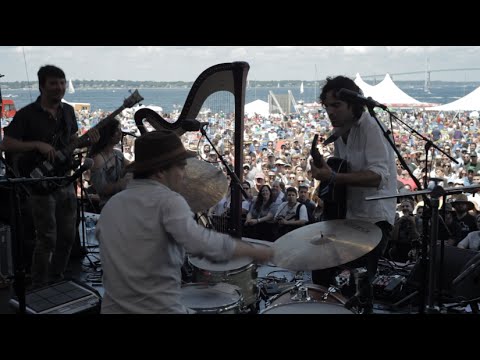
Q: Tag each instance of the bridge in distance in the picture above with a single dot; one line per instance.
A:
(426, 72)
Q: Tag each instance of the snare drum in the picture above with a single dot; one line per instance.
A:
(220, 298)
(307, 299)
(240, 272)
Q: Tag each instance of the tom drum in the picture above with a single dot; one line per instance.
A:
(220, 298)
(240, 272)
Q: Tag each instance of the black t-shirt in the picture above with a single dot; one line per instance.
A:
(33, 123)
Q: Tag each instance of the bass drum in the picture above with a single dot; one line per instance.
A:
(307, 299)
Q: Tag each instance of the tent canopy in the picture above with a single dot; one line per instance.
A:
(259, 107)
(469, 102)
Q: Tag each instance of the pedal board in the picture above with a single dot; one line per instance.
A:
(388, 286)
(66, 297)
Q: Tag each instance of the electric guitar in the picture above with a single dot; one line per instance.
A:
(37, 167)
(333, 195)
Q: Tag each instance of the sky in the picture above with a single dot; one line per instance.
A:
(185, 63)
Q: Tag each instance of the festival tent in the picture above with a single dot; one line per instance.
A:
(367, 89)
(386, 92)
(467, 103)
(259, 107)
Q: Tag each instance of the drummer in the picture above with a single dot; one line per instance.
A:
(372, 170)
(145, 230)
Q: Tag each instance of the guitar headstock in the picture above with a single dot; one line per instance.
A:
(133, 99)
(316, 156)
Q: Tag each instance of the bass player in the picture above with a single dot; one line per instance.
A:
(371, 168)
(43, 127)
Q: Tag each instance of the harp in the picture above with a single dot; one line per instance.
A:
(230, 77)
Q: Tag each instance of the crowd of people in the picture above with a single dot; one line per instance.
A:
(145, 226)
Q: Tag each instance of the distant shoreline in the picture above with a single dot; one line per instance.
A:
(176, 85)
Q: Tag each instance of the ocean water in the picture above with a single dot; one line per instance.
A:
(170, 99)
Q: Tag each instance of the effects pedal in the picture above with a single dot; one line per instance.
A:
(388, 286)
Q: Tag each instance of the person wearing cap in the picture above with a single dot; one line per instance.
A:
(371, 162)
(449, 229)
(404, 233)
(474, 165)
(472, 240)
(466, 220)
(145, 230)
(259, 182)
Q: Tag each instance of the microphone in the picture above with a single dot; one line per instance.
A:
(345, 94)
(192, 125)
(128, 133)
(331, 139)
(87, 164)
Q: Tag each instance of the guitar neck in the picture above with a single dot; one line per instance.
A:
(83, 140)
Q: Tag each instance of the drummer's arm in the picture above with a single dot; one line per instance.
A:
(260, 253)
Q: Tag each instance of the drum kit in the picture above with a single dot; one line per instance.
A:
(236, 287)
(241, 286)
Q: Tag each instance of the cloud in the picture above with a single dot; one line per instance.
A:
(185, 63)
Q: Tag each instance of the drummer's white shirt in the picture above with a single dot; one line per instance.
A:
(367, 149)
(143, 232)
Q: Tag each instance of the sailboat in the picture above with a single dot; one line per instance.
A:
(301, 88)
(71, 89)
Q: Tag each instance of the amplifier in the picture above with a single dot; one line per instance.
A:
(66, 297)
(6, 265)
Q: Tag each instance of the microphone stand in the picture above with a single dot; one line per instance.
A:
(426, 201)
(235, 228)
(432, 205)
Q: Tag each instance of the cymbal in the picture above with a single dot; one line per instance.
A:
(325, 244)
(205, 185)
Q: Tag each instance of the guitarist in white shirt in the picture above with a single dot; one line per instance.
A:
(43, 127)
(371, 165)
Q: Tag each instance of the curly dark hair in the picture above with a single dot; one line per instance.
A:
(343, 82)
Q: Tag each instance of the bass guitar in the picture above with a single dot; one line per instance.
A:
(37, 167)
(333, 195)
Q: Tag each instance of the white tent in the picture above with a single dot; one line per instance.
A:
(386, 92)
(367, 89)
(467, 103)
(259, 107)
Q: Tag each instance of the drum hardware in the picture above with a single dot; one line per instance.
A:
(363, 298)
(430, 289)
(300, 292)
(331, 290)
(307, 298)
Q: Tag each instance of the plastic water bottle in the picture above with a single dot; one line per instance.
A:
(89, 224)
